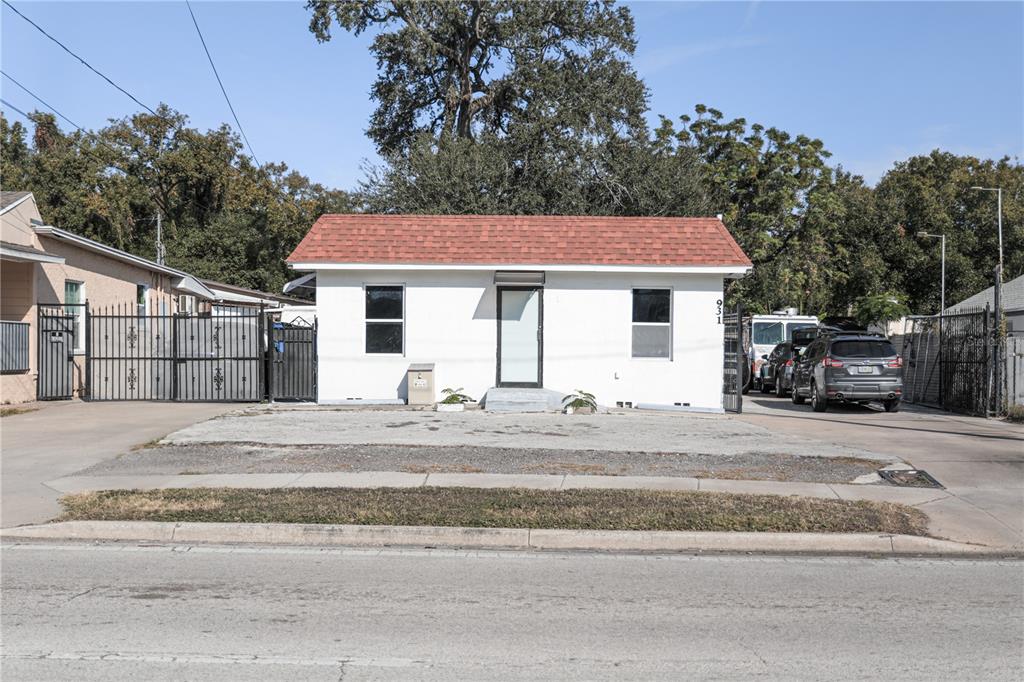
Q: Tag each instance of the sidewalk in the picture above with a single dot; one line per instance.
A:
(951, 518)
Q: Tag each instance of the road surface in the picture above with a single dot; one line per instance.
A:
(107, 612)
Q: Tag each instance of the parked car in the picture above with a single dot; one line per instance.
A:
(848, 366)
(763, 332)
(776, 373)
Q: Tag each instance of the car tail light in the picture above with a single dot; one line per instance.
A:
(895, 364)
(789, 363)
(831, 362)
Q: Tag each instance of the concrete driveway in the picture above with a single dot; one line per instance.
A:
(980, 461)
(61, 438)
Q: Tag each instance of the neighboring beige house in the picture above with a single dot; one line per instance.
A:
(42, 264)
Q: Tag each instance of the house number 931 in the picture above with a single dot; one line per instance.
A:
(719, 313)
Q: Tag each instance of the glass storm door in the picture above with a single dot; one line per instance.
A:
(520, 311)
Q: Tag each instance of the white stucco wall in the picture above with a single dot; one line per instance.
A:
(450, 321)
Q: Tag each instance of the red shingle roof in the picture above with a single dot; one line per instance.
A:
(518, 240)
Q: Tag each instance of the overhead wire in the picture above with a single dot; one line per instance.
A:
(219, 82)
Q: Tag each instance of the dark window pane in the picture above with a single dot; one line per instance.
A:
(383, 337)
(383, 303)
(651, 342)
(651, 305)
(863, 349)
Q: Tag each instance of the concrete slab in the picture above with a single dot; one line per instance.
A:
(537, 481)
(230, 481)
(66, 437)
(766, 488)
(630, 482)
(365, 479)
(958, 520)
(626, 431)
(83, 484)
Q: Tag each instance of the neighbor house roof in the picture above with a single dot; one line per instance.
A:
(519, 240)
(26, 254)
(235, 294)
(9, 200)
(1011, 297)
(180, 280)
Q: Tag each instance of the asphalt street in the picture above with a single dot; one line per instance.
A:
(92, 612)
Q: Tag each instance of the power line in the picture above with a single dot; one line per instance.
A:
(11, 106)
(85, 63)
(39, 99)
(219, 82)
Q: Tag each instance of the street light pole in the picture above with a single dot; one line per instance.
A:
(942, 291)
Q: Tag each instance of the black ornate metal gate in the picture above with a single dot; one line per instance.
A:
(733, 360)
(292, 373)
(181, 357)
(56, 351)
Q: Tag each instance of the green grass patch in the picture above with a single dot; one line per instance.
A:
(500, 508)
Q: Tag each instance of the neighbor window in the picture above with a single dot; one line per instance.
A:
(385, 312)
(652, 323)
(74, 300)
(140, 298)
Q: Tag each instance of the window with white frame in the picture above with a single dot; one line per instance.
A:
(385, 319)
(74, 305)
(652, 323)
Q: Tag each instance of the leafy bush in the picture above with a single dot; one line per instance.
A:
(580, 400)
(455, 396)
(1015, 414)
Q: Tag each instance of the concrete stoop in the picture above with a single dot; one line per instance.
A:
(522, 400)
(523, 539)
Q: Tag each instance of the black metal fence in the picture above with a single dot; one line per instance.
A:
(734, 360)
(948, 361)
(210, 358)
(14, 345)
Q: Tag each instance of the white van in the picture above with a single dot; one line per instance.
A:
(763, 332)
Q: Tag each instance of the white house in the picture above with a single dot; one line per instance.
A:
(629, 309)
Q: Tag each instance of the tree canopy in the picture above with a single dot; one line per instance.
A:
(223, 217)
(458, 70)
(533, 108)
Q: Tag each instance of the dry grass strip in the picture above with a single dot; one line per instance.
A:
(501, 508)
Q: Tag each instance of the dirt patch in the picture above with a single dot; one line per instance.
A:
(501, 508)
(252, 458)
(11, 411)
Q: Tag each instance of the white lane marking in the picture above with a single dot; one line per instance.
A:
(222, 659)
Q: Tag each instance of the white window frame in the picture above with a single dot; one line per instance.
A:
(670, 324)
(366, 320)
(78, 311)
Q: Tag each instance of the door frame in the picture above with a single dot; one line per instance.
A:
(540, 339)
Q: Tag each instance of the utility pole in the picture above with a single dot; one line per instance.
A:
(159, 239)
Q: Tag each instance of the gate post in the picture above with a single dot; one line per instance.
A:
(174, 357)
(87, 330)
(741, 358)
(264, 343)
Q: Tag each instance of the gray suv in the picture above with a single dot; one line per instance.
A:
(848, 366)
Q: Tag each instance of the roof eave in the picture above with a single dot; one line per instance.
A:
(730, 270)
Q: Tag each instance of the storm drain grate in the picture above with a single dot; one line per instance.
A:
(909, 478)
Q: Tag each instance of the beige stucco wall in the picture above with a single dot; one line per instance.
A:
(107, 283)
(17, 296)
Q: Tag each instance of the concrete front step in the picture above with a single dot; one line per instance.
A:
(522, 400)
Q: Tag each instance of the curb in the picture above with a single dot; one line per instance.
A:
(325, 535)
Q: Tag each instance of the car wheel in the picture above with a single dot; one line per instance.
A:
(891, 405)
(780, 392)
(818, 402)
(795, 396)
(764, 387)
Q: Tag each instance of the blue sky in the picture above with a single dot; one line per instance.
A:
(877, 81)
